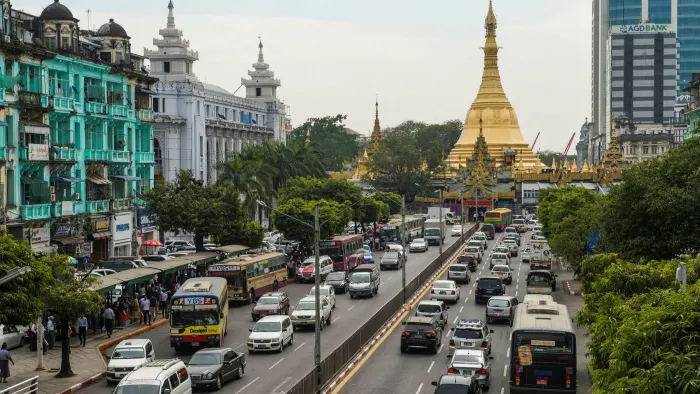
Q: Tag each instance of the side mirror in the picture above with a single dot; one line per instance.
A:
(403, 323)
(452, 329)
(250, 330)
(490, 357)
(491, 331)
(434, 383)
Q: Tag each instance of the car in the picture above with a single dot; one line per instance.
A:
(456, 230)
(418, 245)
(436, 309)
(489, 230)
(451, 383)
(155, 258)
(470, 334)
(307, 271)
(488, 286)
(395, 248)
(472, 362)
(512, 244)
(157, 376)
(13, 336)
(339, 281)
(526, 256)
(128, 355)
(475, 252)
(475, 243)
(421, 331)
(531, 225)
(499, 259)
(271, 333)
(326, 291)
(514, 236)
(538, 237)
(511, 229)
(502, 249)
(178, 243)
(538, 227)
(391, 260)
(541, 282)
(469, 261)
(211, 368)
(519, 224)
(445, 290)
(270, 304)
(304, 313)
(479, 236)
(459, 273)
(367, 254)
(501, 308)
(367, 247)
(173, 255)
(503, 272)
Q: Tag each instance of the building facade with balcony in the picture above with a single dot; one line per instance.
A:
(78, 146)
(199, 125)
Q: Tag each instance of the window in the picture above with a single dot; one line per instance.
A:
(174, 382)
(166, 67)
(156, 107)
(183, 375)
(654, 150)
(163, 110)
(149, 349)
(199, 107)
(187, 67)
(258, 92)
(166, 386)
(106, 57)
(65, 42)
(645, 150)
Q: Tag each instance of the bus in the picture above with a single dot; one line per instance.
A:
(340, 248)
(543, 353)
(250, 276)
(500, 218)
(390, 232)
(198, 312)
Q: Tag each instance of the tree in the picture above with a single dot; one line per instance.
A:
(328, 135)
(651, 214)
(308, 188)
(435, 141)
(392, 200)
(190, 206)
(333, 217)
(372, 211)
(556, 204)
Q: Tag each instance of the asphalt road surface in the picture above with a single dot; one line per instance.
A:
(278, 372)
(390, 371)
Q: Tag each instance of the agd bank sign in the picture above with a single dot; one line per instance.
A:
(643, 28)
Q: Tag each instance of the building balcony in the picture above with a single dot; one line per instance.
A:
(97, 206)
(117, 110)
(33, 100)
(63, 208)
(145, 157)
(122, 204)
(96, 155)
(145, 115)
(35, 212)
(64, 154)
(96, 108)
(119, 156)
(63, 104)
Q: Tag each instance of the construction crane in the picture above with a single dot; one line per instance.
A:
(568, 146)
(536, 138)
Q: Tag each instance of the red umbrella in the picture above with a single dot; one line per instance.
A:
(151, 242)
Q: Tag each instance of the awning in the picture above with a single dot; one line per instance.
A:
(104, 235)
(96, 179)
(144, 91)
(34, 127)
(68, 241)
(125, 177)
(31, 179)
(66, 179)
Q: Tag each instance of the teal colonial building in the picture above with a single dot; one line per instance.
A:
(76, 135)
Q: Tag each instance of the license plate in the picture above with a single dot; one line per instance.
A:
(263, 314)
(118, 375)
(500, 275)
(541, 380)
(498, 312)
(538, 289)
(466, 373)
(443, 292)
(195, 343)
(260, 347)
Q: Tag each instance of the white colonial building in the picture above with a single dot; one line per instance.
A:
(198, 125)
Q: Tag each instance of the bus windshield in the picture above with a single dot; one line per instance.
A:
(544, 342)
(432, 231)
(187, 315)
(335, 253)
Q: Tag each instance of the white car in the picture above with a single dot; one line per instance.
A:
(127, 356)
(512, 244)
(304, 313)
(445, 290)
(418, 245)
(395, 248)
(477, 244)
(503, 272)
(326, 291)
(474, 251)
(456, 230)
(531, 225)
(499, 259)
(271, 333)
(526, 256)
(502, 249)
(155, 258)
(13, 336)
(481, 237)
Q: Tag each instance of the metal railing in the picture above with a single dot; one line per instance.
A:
(341, 356)
(29, 386)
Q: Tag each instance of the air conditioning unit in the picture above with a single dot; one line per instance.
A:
(52, 189)
(53, 197)
(76, 196)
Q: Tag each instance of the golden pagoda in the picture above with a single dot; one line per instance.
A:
(376, 137)
(500, 123)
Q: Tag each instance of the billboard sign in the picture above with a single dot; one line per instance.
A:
(643, 28)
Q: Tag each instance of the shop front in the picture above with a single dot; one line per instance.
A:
(98, 241)
(39, 238)
(122, 226)
(65, 237)
(146, 227)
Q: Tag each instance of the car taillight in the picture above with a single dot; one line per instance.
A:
(482, 372)
(484, 345)
(405, 334)
(453, 292)
(569, 372)
(518, 371)
(432, 291)
(477, 291)
(451, 370)
(452, 342)
(431, 335)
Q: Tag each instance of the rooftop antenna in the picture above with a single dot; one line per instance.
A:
(88, 12)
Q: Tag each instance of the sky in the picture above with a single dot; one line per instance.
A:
(421, 60)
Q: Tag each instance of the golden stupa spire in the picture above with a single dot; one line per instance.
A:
(613, 158)
(308, 135)
(376, 137)
(573, 167)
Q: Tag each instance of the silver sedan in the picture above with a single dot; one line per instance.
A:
(445, 290)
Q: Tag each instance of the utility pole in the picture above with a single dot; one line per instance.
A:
(461, 209)
(477, 203)
(441, 220)
(317, 280)
(39, 345)
(403, 246)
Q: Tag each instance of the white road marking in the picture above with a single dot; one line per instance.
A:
(460, 308)
(351, 307)
(239, 346)
(282, 384)
(455, 321)
(503, 390)
(419, 387)
(277, 363)
(508, 353)
(505, 370)
(516, 287)
(247, 385)
(470, 291)
(390, 278)
(448, 333)
(298, 347)
(430, 367)
(334, 320)
(440, 349)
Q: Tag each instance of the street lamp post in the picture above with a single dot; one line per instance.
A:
(461, 210)
(403, 246)
(441, 219)
(317, 281)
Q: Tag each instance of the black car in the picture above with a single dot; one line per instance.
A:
(452, 383)
(470, 261)
(422, 332)
(339, 281)
(211, 368)
(489, 230)
(487, 287)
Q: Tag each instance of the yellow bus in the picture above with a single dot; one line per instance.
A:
(500, 218)
(250, 276)
(198, 313)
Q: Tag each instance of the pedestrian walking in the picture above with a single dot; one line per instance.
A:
(51, 328)
(82, 329)
(164, 302)
(146, 310)
(154, 306)
(108, 315)
(5, 360)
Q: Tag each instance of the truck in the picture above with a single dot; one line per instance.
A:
(435, 230)
(449, 216)
(540, 255)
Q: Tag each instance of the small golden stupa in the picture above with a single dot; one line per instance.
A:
(500, 123)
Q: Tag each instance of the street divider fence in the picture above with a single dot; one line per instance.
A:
(350, 351)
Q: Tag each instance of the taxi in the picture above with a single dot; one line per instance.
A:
(470, 334)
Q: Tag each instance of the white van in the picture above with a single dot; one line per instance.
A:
(364, 280)
(306, 272)
(127, 356)
(157, 377)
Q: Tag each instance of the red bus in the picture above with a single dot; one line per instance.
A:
(340, 248)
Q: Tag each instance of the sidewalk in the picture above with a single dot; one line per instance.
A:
(88, 363)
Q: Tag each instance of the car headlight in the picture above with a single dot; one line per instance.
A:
(110, 369)
(208, 375)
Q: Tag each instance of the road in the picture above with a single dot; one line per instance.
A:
(390, 371)
(277, 373)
